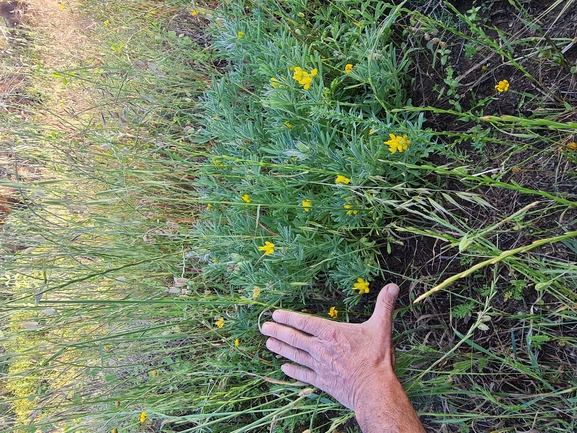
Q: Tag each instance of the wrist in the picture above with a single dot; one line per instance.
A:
(383, 407)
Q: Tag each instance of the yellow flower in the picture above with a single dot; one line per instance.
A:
(342, 179)
(306, 204)
(143, 417)
(106, 23)
(397, 143)
(245, 198)
(304, 78)
(153, 373)
(236, 343)
(220, 322)
(268, 248)
(194, 12)
(502, 86)
(256, 292)
(288, 125)
(350, 210)
(572, 146)
(362, 286)
(209, 206)
(333, 312)
(348, 68)
(240, 35)
(274, 82)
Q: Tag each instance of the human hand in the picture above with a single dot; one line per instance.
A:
(339, 358)
(352, 362)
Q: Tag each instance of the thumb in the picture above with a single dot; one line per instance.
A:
(382, 318)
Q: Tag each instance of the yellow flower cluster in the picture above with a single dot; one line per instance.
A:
(397, 143)
(306, 204)
(362, 286)
(350, 210)
(333, 312)
(502, 86)
(348, 68)
(274, 82)
(267, 248)
(342, 179)
(143, 417)
(220, 322)
(245, 198)
(304, 78)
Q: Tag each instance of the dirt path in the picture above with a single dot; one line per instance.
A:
(37, 39)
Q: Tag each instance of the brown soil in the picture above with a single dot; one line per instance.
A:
(478, 71)
(421, 261)
(12, 81)
(60, 36)
(13, 12)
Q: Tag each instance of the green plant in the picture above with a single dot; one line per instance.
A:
(289, 142)
(175, 184)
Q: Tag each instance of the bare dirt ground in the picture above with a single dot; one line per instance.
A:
(38, 35)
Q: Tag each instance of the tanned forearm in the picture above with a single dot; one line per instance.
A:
(388, 410)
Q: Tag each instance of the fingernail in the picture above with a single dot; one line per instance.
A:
(264, 327)
(272, 345)
(276, 315)
(393, 289)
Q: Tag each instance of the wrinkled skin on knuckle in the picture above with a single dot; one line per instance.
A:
(300, 322)
(293, 354)
(323, 357)
(301, 373)
(293, 339)
(309, 376)
(328, 332)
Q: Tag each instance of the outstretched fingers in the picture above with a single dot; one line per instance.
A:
(299, 373)
(309, 324)
(291, 353)
(288, 335)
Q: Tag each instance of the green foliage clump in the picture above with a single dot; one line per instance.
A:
(296, 130)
